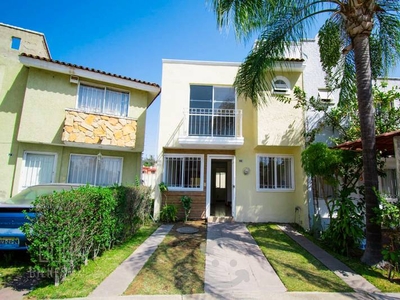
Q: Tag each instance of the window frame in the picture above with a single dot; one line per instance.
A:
(212, 94)
(22, 185)
(281, 92)
(181, 188)
(275, 189)
(15, 43)
(105, 88)
(381, 184)
(97, 159)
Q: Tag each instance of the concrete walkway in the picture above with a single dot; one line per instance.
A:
(235, 265)
(355, 281)
(119, 280)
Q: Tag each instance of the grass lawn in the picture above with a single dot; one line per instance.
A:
(82, 282)
(297, 268)
(176, 267)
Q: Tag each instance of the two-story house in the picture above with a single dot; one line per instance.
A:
(231, 158)
(66, 123)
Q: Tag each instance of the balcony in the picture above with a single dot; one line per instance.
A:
(92, 130)
(211, 128)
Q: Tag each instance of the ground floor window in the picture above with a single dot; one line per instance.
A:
(38, 168)
(183, 172)
(95, 169)
(275, 172)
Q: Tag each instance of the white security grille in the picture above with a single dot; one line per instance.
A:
(275, 172)
(183, 172)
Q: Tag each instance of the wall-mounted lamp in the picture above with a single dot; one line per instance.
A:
(246, 171)
(99, 156)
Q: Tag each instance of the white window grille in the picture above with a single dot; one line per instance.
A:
(183, 172)
(103, 100)
(275, 172)
(95, 169)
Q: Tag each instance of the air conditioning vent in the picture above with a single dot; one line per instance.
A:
(74, 79)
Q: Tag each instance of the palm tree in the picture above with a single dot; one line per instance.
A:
(355, 32)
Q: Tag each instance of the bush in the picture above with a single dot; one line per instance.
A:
(73, 226)
(345, 231)
(168, 213)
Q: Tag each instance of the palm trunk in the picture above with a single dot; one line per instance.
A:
(372, 254)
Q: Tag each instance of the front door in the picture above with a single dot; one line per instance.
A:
(220, 186)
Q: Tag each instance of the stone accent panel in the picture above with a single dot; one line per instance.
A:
(97, 129)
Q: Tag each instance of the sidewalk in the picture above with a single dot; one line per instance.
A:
(235, 269)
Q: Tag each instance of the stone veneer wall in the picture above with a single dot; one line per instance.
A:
(91, 128)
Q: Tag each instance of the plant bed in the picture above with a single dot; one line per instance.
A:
(177, 266)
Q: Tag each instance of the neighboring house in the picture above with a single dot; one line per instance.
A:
(314, 85)
(229, 157)
(149, 176)
(66, 123)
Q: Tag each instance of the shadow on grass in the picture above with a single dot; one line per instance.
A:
(297, 268)
(176, 267)
(16, 271)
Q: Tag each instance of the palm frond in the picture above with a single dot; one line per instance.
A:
(284, 31)
(386, 34)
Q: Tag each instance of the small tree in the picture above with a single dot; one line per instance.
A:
(187, 205)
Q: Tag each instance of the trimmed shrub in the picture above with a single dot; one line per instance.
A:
(72, 226)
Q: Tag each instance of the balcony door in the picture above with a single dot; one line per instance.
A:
(212, 111)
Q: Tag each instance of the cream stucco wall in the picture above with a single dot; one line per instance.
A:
(280, 122)
(176, 80)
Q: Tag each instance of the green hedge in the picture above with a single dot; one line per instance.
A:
(74, 226)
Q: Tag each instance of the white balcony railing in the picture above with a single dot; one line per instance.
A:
(206, 122)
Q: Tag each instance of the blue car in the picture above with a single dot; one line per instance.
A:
(12, 216)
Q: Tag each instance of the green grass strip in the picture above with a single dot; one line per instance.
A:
(295, 266)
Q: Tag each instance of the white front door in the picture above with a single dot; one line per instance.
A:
(220, 193)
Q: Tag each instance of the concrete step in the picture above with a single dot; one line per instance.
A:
(220, 219)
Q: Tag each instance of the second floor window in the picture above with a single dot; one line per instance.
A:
(103, 100)
(212, 111)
